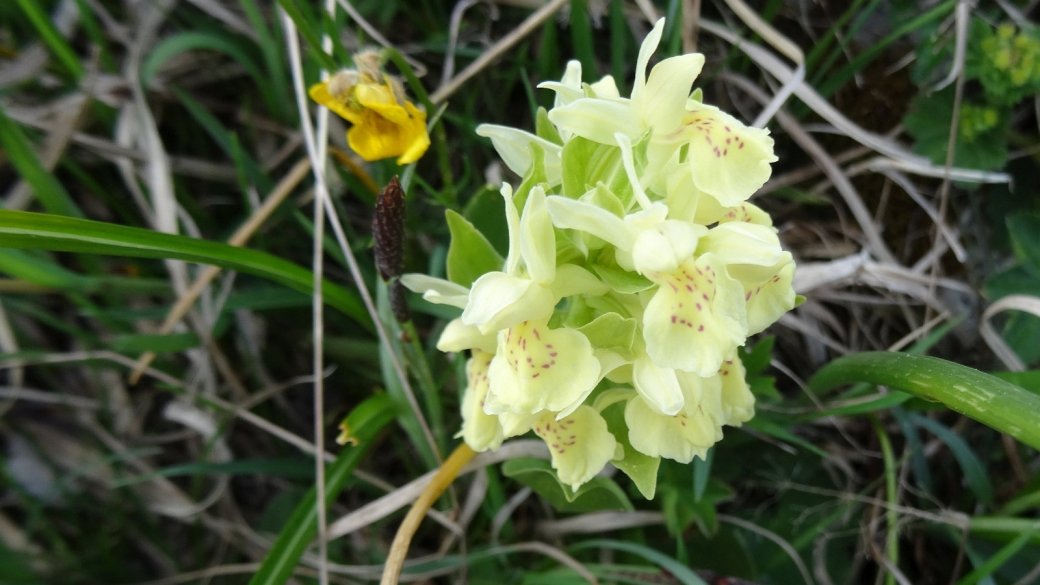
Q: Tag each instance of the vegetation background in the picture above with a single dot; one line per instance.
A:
(159, 117)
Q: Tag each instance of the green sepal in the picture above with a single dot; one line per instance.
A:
(621, 280)
(545, 129)
(600, 493)
(535, 175)
(610, 330)
(640, 468)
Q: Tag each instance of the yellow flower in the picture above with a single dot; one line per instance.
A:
(385, 123)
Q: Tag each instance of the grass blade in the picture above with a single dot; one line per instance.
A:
(39, 231)
(677, 569)
(49, 191)
(52, 37)
(974, 470)
(362, 425)
(987, 399)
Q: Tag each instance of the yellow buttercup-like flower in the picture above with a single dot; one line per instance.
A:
(385, 123)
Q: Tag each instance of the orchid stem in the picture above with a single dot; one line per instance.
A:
(399, 549)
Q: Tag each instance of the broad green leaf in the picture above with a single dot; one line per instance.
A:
(640, 468)
(598, 494)
(756, 360)
(1021, 279)
(363, 423)
(1024, 229)
(929, 123)
(621, 280)
(987, 399)
(1028, 380)
(470, 255)
(610, 330)
(21, 229)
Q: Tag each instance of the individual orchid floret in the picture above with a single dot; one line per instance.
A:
(521, 291)
(658, 103)
(580, 444)
(384, 123)
(686, 434)
(727, 159)
(481, 431)
(753, 256)
(537, 369)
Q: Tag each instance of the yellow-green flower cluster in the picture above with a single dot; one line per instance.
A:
(1009, 62)
(636, 268)
(975, 120)
(1018, 55)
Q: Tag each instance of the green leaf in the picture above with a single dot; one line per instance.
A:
(621, 280)
(1017, 280)
(598, 494)
(610, 330)
(21, 229)
(680, 509)
(640, 468)
(701, 473)
(545, 129)
(535, 175)
(987, 399)
(52, 37)
(1029, 380)
(984, 570)
(974, 470)
(367, 419)
(684, 574)
(303, 25)
(757, 359)
(763, 425)
(470, 255)
(1024, 229)
(891, 399)
(929, 123)
(171, 343)
(48, 189)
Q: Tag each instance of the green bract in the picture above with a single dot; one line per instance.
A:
(636, 268)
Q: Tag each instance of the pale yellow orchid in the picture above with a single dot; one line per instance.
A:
(580, 444)
(481, 431)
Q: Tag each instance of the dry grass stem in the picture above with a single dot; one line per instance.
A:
(504, 44)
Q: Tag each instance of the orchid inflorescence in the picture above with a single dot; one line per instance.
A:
(636, 268)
